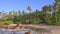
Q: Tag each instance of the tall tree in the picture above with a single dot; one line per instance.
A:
(29, 9)
(56, 6)
(45, 14)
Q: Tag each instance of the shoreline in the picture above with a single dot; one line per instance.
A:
(54, 29)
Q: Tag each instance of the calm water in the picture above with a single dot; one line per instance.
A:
(21, 31)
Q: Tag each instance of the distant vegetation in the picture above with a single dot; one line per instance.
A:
(49, 15)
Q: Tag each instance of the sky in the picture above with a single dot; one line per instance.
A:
(10, 5)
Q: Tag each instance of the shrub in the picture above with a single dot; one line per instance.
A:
(8, 22)
(36, 21)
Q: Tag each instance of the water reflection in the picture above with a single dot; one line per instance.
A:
(22, 31)
(9, 31)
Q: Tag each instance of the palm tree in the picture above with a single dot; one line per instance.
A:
(45, 14)
(29, 9)
(19, 13)
(50, 10)
(56, 8)
(23, 16)
(57, 1)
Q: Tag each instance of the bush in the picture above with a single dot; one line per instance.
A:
(36, 21)
(1, 22)
(8, 22)
(58, 23)
(19, 22)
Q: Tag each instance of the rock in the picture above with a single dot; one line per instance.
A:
(29, 32)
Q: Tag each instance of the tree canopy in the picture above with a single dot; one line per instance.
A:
(49, 15)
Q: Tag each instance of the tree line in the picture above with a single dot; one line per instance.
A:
(49, 15)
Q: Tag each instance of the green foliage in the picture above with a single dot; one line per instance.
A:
(36, 21)
(8, 22)
(1, 22)
(29, 8)
(27, 21)
(57, 0)
(33, 17)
